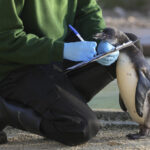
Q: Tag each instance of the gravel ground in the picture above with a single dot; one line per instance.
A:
(110, 138)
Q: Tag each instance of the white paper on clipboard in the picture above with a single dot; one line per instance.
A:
(81, 64)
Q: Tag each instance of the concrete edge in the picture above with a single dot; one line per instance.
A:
(114, 118)
(111, 114)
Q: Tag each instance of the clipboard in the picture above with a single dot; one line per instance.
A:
(97, 57)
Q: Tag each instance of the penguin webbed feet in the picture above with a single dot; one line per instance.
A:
(142, 134)
(135, 136)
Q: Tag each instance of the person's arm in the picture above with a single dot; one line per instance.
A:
(18, 46)
(89, 19)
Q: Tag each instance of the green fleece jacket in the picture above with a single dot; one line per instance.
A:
(34, 31)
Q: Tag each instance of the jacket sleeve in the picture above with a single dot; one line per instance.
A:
(89, 19)
(19, 47)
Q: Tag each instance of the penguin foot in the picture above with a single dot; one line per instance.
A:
(3, 137)
(136, 136)
(144, 133)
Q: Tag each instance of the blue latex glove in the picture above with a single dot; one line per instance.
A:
(79, 51)
(105, 47)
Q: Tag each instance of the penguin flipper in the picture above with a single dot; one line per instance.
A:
(122, 105)
(143, 86)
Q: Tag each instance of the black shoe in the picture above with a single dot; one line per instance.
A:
(18, 117)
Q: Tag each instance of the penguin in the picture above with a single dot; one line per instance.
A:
(133, 78)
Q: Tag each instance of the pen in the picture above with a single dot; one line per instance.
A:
(76, 32)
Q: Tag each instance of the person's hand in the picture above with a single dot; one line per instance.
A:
(80, 51)
(105, 47)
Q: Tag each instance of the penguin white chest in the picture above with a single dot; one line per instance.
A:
(127, 81)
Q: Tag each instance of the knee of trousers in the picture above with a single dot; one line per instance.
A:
(90, 129)
(74, 131)
(81, 131)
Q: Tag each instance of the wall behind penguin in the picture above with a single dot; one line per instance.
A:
(129, 16)
(140, 5)
(108, 98)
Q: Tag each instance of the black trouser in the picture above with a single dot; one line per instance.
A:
(59, 98)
